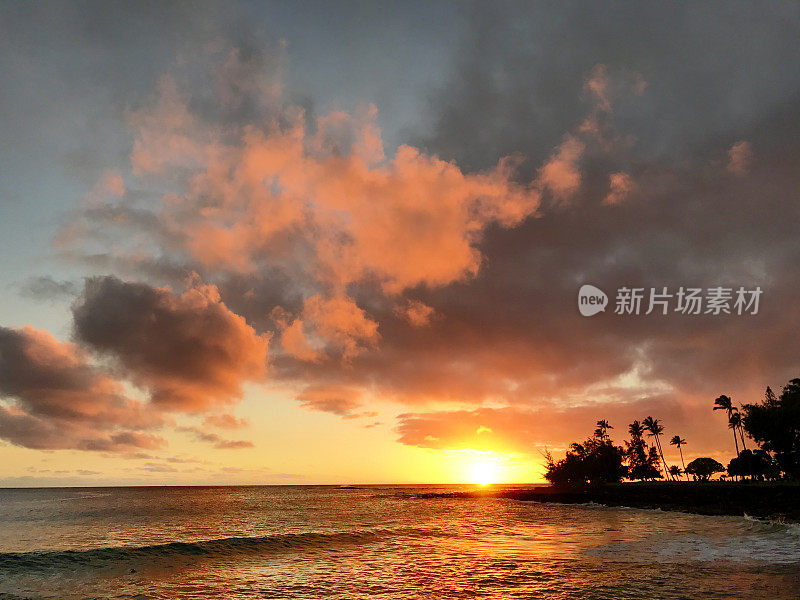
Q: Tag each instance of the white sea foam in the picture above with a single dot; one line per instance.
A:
(773, 543)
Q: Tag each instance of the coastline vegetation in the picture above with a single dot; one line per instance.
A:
(770, 427)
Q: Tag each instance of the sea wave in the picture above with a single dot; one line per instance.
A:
(121, 555)
(772, 543)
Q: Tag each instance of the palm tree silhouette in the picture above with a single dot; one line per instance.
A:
(675, 471)
(655, 429)
(602, 429)
(735, 422)
(636, 429)
(678, 441)
(726, 404)
(643, 459)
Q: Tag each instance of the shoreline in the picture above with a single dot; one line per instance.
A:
(762, 500)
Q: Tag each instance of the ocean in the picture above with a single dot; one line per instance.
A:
(375, 542)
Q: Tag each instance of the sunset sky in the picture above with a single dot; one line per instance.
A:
(320, 242)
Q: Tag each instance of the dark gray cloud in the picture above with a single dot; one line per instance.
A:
(713, 74)
(56, 399)
(189, 351)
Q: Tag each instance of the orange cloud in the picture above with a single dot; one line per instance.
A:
(296, 344)
(225, 421)
(598, 84)
(323, 190)
(620, 185)
(561, 174)
(416, 313)
(339, 400)
(341, 324)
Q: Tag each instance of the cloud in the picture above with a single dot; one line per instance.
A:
(125, 440)
(47, 288)
(354, 231)
(189, 351)
(225, 421)
(217, 441)
(598, 84)
(620, 185)
(423, 230)
(341, 324)
(561, 174)
(339, 400)
(740, 158)
(312, 195)
(158, 468)
(233, 444)
(417, 313)
(513, 334)
(109, 185)
(61, 401)
(296, 344)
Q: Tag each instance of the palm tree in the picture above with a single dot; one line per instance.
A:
(655, 428)
(735, 423)
(675, 471)
(636, 429)
(678, 441)
(643, 465)
(602, 429)
(726, 404)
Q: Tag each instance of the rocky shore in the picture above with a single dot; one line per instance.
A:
(763, 500)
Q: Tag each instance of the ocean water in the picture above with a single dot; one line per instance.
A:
(376, 542)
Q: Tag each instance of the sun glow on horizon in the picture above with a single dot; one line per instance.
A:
(484, 472)
(487, 467)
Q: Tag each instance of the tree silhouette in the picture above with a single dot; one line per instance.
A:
(775, 425)
(592, 462)
(703, 468)
(756, 464)
(725, 403)
(642, 461)
(636, 429)
(678, 441)
(735, 423)
(655, 429)
(675, 471)
(602, 429)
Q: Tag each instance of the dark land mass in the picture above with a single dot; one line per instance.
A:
(763, 500)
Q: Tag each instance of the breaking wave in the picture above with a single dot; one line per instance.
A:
(121, 555)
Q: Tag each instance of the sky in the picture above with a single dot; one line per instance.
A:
(320, 242)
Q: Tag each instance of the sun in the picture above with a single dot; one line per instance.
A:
(483, 472)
